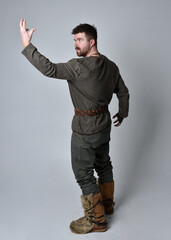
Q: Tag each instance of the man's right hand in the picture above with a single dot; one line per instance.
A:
(25, 35)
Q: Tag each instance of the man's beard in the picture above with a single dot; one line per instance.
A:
(80, 53)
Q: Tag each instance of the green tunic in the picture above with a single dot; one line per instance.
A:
(92, 82)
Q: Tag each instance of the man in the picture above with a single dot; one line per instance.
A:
(92, 81)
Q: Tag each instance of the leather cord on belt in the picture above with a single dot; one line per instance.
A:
(88, 113)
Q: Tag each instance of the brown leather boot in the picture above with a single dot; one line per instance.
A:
(107, 192)
(94, 220)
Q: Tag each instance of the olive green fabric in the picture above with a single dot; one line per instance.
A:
(92, 82)
(89, 153)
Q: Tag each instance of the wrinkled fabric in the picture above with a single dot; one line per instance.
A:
(92, 82)
(89, 153)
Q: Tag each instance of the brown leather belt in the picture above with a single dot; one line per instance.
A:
(88, 113)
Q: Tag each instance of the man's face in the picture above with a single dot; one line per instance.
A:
(82, 45)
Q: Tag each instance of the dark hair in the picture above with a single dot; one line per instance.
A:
(89, 30)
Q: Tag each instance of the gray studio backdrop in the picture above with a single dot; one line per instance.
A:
(38, 193)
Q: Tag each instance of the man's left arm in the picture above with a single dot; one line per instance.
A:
(123, 96)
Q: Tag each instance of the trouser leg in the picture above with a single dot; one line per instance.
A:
(86, 156)
(103, 167)
(103, 164)
(83, 164)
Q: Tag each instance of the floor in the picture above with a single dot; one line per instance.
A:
(43, 205)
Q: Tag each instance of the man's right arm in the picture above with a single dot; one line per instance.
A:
(46, 67)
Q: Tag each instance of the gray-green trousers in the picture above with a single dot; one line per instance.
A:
(89, 153)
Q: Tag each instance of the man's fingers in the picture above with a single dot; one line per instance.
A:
(116, 121)
(24, 24)
(32, 30)
(23, 27)
(117, 125)
(21, 24)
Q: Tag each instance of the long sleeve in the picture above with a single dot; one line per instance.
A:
(46, 67)
(123, 96)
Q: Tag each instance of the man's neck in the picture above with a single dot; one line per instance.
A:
(93, 52)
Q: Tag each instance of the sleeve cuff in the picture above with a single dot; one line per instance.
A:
(27, 48)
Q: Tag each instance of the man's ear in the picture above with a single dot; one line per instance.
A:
(92, 42)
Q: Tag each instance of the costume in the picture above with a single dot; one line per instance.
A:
(91, 152)
(92, 82)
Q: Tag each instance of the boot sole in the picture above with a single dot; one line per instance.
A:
(100, 230)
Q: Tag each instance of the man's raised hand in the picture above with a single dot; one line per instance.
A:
(25, 35)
